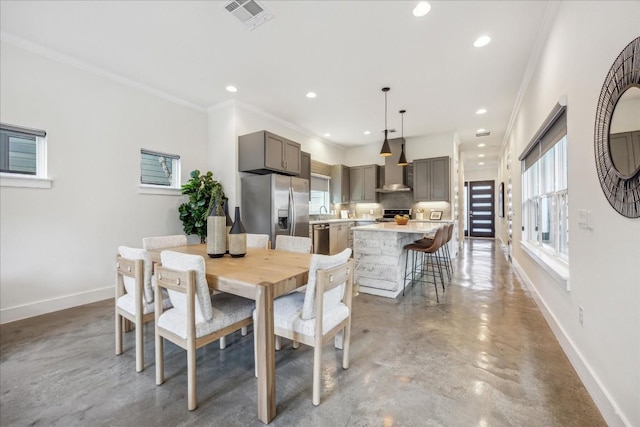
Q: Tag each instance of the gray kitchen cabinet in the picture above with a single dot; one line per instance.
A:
(363, 183)
(264, 152)
(305, 168)
(431, 179)
(338, 237)
(340, 179)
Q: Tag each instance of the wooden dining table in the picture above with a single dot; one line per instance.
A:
(261, 275)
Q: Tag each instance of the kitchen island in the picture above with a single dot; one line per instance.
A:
(378, 252)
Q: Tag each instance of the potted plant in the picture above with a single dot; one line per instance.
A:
(206, 196)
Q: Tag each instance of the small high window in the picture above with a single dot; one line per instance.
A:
(22, 152)
(159, 169)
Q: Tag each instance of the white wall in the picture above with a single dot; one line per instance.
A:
(57, 245)
(584, 40)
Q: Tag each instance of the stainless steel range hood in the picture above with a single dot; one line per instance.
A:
(395, 177)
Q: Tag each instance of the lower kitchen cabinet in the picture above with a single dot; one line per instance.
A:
(338, 237)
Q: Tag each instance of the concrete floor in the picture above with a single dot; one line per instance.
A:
(482, 357)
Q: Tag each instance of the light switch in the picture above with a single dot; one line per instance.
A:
(584, 219)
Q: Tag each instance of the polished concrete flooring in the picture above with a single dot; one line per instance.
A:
(483, 356)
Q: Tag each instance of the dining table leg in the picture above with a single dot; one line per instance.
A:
(265, 362)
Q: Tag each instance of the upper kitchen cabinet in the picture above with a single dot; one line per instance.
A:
(363, 183)
(340, 190)
(264, 152)
(431, 179)
(305, 165)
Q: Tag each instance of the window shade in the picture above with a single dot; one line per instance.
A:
(159, 154)
(319, 184)
(19, 129)
(551, 131)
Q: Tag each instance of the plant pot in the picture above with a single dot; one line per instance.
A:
(216, 236)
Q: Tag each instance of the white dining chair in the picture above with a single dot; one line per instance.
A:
(258, 241)
(162, 242)
(196, 318)
(134, 297)
(293, 244)
(324, 310)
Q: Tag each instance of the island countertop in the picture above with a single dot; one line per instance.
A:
(410, 227)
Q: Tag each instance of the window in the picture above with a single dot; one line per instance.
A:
(22, 153)
(545, 197)
(319, 194)
(159, 169)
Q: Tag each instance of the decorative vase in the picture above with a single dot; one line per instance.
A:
(216, 234)
(229, 223)
(237, 237)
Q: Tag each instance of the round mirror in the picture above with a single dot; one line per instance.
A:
(624, 133)
(617, 132)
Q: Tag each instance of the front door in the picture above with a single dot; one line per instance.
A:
(481, 209)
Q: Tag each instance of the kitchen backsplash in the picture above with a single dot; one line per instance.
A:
(399, 200)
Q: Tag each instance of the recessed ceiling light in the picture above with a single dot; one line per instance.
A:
(481, 163)
(482, 41)
(311, 95)
(480, 155)
(366, 132)
(231, 88)
(481, 145)
(421, 9)
(327, 135)
(481, 111)
(481, 130)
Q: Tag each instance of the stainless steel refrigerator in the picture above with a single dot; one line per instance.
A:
(275, 205)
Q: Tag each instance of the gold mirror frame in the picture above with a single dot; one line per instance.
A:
(623, 193)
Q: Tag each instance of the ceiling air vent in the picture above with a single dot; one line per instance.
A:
(249, 12)
(485, 133)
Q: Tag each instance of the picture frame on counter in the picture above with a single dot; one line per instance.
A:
(437, 215)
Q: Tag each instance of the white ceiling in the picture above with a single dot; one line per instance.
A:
(345, 51)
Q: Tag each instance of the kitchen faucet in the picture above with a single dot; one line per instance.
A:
(325, 211)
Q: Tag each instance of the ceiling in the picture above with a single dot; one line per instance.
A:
(345, 51)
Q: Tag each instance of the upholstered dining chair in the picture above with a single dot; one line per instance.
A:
(316, 316)
(258, 241)
(162, 242)
(293, 244)
(134, 297)
(196, 318)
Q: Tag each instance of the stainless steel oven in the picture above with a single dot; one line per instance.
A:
(389, 214)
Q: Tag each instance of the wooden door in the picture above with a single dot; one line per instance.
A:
(481, 209)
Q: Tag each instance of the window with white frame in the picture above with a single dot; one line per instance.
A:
(319, 195)
(159, 169)
(22, 152)
(545, 197)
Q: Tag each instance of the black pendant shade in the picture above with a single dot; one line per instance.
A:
(402, 161)
(386, 148)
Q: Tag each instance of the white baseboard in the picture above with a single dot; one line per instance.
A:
(608, 408)
(11, 314)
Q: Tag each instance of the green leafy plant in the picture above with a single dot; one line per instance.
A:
(205, 194)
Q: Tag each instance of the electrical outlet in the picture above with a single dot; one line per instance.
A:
(581, 315)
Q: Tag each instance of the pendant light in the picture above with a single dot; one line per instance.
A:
(386, 149)
(402, 161)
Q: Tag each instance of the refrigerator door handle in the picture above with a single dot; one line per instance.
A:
(292, 218)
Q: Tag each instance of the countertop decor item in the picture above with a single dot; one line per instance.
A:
(401, 220)
(619, 172)
(386, 148)
(237, 237)
(435, 215)
(229, 223)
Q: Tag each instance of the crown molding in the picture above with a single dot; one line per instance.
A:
(13, 40)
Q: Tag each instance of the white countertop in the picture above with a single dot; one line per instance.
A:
(335, 220)
(411, 227)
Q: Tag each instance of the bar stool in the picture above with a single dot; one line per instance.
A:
(444, 253)
(424, 256)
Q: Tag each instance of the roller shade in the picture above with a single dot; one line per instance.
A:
(551, 131)
(319, 184)
(19, 129)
